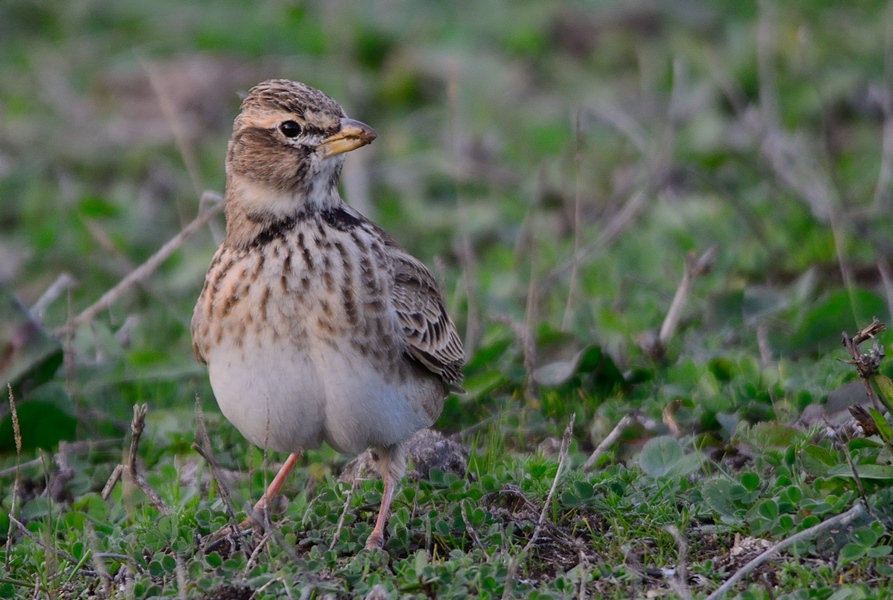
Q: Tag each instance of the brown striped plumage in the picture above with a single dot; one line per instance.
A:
(315, 324)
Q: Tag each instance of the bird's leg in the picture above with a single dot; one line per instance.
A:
(274, 487)
(376, 538)
(257, 513)
(392, 465)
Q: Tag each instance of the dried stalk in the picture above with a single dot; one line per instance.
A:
(469, 528)
(695, 266)
(608, 441)
(578, 210)
(130, 468)
(515, 561)
(62, 284)
(866, 364)
(347, 500)
(679, 582)
(17, 434)
(840, 520)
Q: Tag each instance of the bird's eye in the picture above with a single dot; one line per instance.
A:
(290, 129)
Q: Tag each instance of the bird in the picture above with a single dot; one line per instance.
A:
(315, 324)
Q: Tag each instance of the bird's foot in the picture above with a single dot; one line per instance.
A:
(375, 541)
(256, 521)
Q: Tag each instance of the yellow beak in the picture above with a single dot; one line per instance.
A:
(351, 136)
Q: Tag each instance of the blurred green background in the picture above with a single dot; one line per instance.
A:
(554, 163)
(513, 136)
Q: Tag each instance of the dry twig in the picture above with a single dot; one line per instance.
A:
(252, 560)
(64, 448)
(63, 283)
(840, 520)
(130, 468)
(578, 211)
(97, 559)
(694, 267)
(866, 364)
(234, 527)
(562, 459)
(886, 273)
(17, 434)
(347, 500)
(608, 441)
(852, 465)
(679, 583)
(465, 248)
(515, 561)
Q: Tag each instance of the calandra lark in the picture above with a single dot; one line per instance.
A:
(315, 324)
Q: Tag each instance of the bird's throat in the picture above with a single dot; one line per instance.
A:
(252, 208)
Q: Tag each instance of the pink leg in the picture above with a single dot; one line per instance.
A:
(257, 514)
(274, 486)
(392, 465)
(376, 538)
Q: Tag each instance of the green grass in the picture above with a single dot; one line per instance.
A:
(510, 134)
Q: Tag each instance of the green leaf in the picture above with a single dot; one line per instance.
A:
(848, 592)
(717, 494)
(590, 359)
(487, 355)
(882, 425)
(93, 505)
(885, 387)
(38, 508)
(168, 563)
(859, 443)
(156, 569)
(768, 508)
(851, 552)
(822, 455)
(793, 494)
(97, 206)
(689, 464)
(750, 481)
(865, 536)
(557, 372)
(760, 302)
(584, 490)
(660, 455)
(883, 472)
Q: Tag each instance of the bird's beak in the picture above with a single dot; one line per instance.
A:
(351, 136)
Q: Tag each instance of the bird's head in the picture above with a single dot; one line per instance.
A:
(286, 150)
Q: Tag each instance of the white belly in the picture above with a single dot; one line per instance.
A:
(285, 398)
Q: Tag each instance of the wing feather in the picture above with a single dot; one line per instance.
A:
(430, 334)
